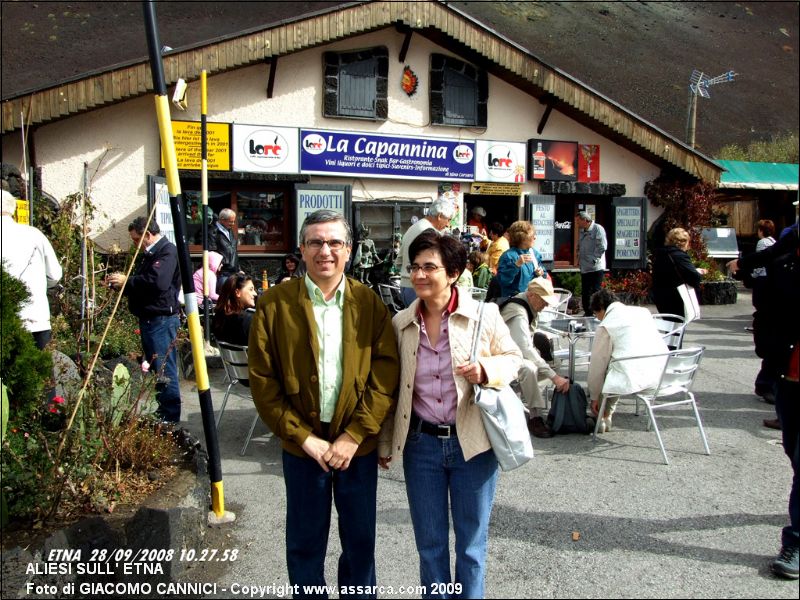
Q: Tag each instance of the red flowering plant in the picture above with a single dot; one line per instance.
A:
(631, 286)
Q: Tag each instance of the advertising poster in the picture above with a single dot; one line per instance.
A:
(552, 160)
(589, 163)
(187, 145)
(368, 155)
(264, 149)
(628, 232)
(452, 192)
(543, 217)
(503, 162)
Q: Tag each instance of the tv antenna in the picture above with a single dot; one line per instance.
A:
(699, 83)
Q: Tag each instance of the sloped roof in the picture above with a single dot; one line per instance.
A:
(435, 20)
(758, 175)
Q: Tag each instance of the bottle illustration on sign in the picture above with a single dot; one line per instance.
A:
(539, 162)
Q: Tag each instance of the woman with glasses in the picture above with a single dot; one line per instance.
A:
(234, 310)
(436, 427)
(521, 262)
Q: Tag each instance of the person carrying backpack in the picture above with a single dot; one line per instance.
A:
(521, 315)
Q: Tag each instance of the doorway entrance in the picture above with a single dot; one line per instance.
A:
(499, 209)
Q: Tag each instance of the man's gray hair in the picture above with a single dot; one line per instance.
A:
(585, 216)
(326, 216)
(227, 213)
(442, 207)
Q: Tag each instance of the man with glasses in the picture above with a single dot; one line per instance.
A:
(323, 371)
(224, 238)
(438, 217)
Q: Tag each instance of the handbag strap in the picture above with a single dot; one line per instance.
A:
(474, 353)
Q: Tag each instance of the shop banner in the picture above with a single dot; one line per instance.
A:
(369, 155)
(503, 162)
(265, 149)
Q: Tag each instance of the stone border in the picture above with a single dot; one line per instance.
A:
(62, 566)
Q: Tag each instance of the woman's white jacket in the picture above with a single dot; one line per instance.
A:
(497, 354)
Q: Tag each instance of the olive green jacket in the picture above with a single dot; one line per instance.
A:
(283, 354)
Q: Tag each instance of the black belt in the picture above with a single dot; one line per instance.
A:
(440, 431)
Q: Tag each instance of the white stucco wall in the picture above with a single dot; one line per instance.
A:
(120, 143)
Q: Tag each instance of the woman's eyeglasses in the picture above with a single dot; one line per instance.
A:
(427, 268)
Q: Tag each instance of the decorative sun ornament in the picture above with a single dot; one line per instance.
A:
(410, 81)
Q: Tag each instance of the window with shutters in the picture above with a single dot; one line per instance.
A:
(459, 93)
(356, 84)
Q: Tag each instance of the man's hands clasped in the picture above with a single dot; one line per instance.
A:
(336, 455)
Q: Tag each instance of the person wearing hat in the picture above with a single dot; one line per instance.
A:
(521, 315)
(476, 216)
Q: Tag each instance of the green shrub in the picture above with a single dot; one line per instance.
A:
(23, 367)
(569, 280)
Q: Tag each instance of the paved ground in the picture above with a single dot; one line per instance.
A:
(704, 526)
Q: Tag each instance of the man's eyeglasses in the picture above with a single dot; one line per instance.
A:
(427, 268)
(332, 244)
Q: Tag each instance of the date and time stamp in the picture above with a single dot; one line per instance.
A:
(143, 572)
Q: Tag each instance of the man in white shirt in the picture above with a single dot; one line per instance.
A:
(28, 255)
(438, 217)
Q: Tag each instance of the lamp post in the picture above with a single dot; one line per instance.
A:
(698, 85)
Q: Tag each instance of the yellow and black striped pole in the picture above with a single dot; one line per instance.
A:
(204, 195)
(178, 219)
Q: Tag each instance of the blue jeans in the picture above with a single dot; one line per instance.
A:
(435, 469)
(158, 342)
(308, 519)
(788, 409)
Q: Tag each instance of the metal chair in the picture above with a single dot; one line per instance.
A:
(671, 327)
(673, 389)
(564, 296)
(391, 296)
(234, 361)
(478, 294)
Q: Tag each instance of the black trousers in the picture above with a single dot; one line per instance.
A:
(590, 283)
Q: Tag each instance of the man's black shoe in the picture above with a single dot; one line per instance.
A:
(786, 563)
(539, 428)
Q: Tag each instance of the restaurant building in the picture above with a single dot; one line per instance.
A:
(375, 109)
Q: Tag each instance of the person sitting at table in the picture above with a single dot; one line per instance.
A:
(624, 331)
(234, 310)
(521, 315)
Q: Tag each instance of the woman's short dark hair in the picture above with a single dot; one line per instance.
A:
(602, 299)
(228, 303)
(453, 253)
(766, 226)
(497, 229)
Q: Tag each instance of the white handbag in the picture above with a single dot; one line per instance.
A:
(504, 418)
(691, 307)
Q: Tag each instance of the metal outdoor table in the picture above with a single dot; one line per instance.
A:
(574, 329)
